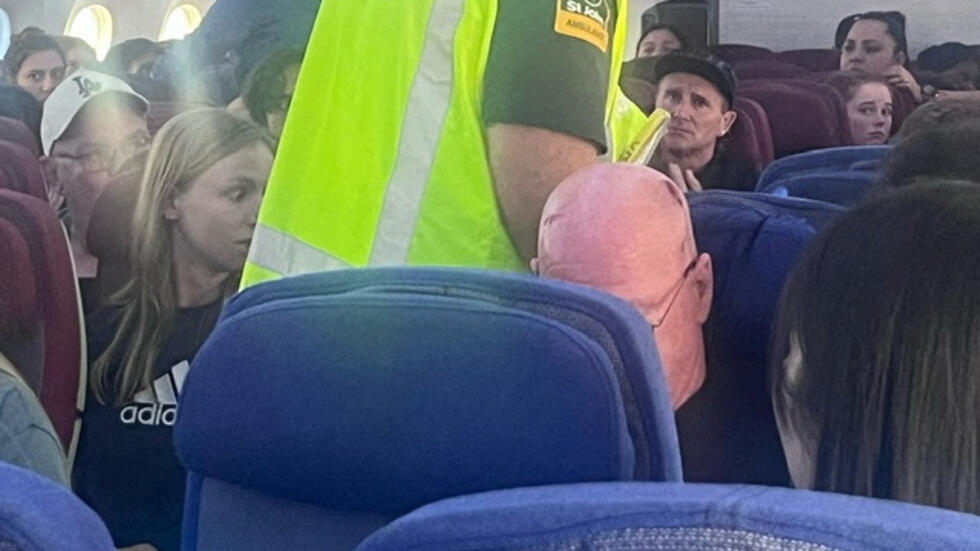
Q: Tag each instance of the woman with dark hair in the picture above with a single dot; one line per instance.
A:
(875, 42)
(869, 103)
(35, 63)
(875, 369)
(661, 39)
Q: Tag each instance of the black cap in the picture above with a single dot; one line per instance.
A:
(944, 57)
(715, 71)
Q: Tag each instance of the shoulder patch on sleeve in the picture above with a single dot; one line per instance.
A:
(586, 20)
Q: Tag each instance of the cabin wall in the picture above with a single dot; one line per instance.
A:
(130, 18)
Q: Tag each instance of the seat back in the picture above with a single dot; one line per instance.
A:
(751, 110)
(13, 130)
(727, 430)
(626, 517)
(20, 331)
(834, 159)
(803, 115)
(38, 514)
(813, 60)
(840, 188)
(20, 170)
(738, 53)
(404, 386)
(60, 383)
(762, 69)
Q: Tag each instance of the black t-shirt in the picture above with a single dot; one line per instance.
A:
(126, 468)
(549, 66)
(728, 172)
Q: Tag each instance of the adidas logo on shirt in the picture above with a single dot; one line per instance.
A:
(157, 406)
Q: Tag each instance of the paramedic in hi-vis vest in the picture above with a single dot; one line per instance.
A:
(431, 132)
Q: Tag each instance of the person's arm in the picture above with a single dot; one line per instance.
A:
(527, 164)
(224, 28)
(902, 78)
(544, 108)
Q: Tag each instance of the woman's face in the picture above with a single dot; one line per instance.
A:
(40, 73)
(870, 114)
(798, 439)
(213, 219)
(869, 48)
(658, 42)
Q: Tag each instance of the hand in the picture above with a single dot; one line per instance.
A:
(900, 77)
(685, 179)
(52, 184)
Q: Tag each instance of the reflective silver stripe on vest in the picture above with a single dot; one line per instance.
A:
(285, 255)
(428, 107)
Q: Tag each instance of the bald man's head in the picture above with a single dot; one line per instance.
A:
(627, 230)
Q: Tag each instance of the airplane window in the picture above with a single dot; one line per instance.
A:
(4, 33)
(181, 22)
(93, 24)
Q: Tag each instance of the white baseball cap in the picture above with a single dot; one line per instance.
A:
(69, 97)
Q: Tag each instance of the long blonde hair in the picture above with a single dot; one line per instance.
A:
(185, 148)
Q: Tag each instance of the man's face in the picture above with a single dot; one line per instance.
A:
(698, 112)
(105, 133)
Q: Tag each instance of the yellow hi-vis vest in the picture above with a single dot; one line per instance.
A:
(383, 160)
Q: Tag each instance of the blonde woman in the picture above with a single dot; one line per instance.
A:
(197, 208)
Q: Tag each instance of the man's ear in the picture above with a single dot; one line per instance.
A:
(704, 286)
(727, 121)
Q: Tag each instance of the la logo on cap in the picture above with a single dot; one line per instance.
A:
(87, 86)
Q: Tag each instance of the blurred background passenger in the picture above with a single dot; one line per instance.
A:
(17, 103)
(869, 103)
(937, 115)
(136, 56)
(876, 370)
(78, 54)
(35, 63)
(268, 90)
(948, 151)
(661, 39)
(953, 60)
(242, 33)
(197, 209)
(27, 438)
(627, 230)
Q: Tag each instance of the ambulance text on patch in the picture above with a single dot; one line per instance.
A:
(586, 20)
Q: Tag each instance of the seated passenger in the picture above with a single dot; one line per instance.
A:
(268, 91)
(27, 438)
(16, 103)
(136, 56)
(90, 125)
(78, 54)
(661, 39)
(869, 103)
(627, 230)
(699, 95)
(950, 152)
(876, 370)
(953, 60)
(938, 114)
(195, 215)
(875, 43)
(35, 63)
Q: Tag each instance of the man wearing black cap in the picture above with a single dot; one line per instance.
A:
(699, 95)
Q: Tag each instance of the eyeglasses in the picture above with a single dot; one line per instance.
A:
(103, 158)
(674, 293)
